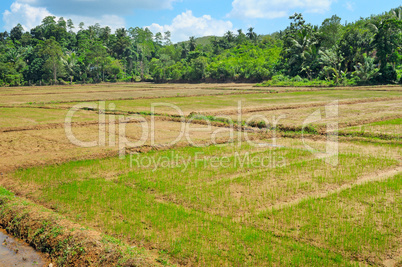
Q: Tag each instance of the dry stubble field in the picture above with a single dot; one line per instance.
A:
(228, 194)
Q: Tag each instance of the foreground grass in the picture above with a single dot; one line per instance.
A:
(364, 223)
(391, 129)
(65, 243)
(192, 214)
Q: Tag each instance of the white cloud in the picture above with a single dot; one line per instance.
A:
(24, 14)
(186, 24)
(276, 8)
(350, 6)
(94, 8)
(29, 17)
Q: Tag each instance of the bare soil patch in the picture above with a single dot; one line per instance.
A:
(48, 144)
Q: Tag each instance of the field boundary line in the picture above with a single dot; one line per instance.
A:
(142, 90)
(369, 178)
(151, 97)
(299, 106)
(237, 175)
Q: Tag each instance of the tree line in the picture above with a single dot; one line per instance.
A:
(368, 51)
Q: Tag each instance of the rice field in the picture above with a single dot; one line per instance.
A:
(227, 194)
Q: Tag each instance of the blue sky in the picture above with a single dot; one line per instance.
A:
(186, 18)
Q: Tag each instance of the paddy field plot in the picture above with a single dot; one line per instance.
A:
(228, 103)
(34, 95)
(384, 128)
(379, 117)
(213, 214)
(43, 143)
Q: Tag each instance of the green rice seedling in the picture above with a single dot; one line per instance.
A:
(364, 222)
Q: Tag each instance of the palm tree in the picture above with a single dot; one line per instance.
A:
(251, 34)
(397, 13)
(27, 51)
(16, 58)
(367, 70)
(331, 61)
(303, 50)
(85, 69)
(386, 33)
(70, 61)
(13, 56)
(229, 36)
(241, 37)
(144, 52)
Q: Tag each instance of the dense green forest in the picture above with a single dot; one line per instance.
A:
(368, 51)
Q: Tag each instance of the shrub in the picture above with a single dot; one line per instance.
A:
(297, 79)
(388, 75)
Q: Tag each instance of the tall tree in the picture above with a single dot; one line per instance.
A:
(51, 51)
(330, 32)
(97, 58)
(70, 25)
(166, 37)
(241, 37)
(366, 71)
(331, 60)
(251, 34)
(387, 38)
(300, 47)
(16, 32)
(121, 44)
(70, 61)
(192, 44)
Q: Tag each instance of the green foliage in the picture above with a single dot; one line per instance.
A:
(330, 32)
(366, 71)
(52, 52)
(70, 62)
(300, 47)
(245, 63)
(5, 192)
(284, 81)
(388, 75)
(326, 55)
(331, 61)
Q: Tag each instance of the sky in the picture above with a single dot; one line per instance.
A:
(185, 18)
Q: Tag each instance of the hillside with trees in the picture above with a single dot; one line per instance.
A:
(368, 51)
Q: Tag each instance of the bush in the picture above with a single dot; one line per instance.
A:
(297, 79)
(62, 82)
(388, 75)
(14, 79)
(352, 82)
(283, 81)
(279, 78)
(399, 73)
